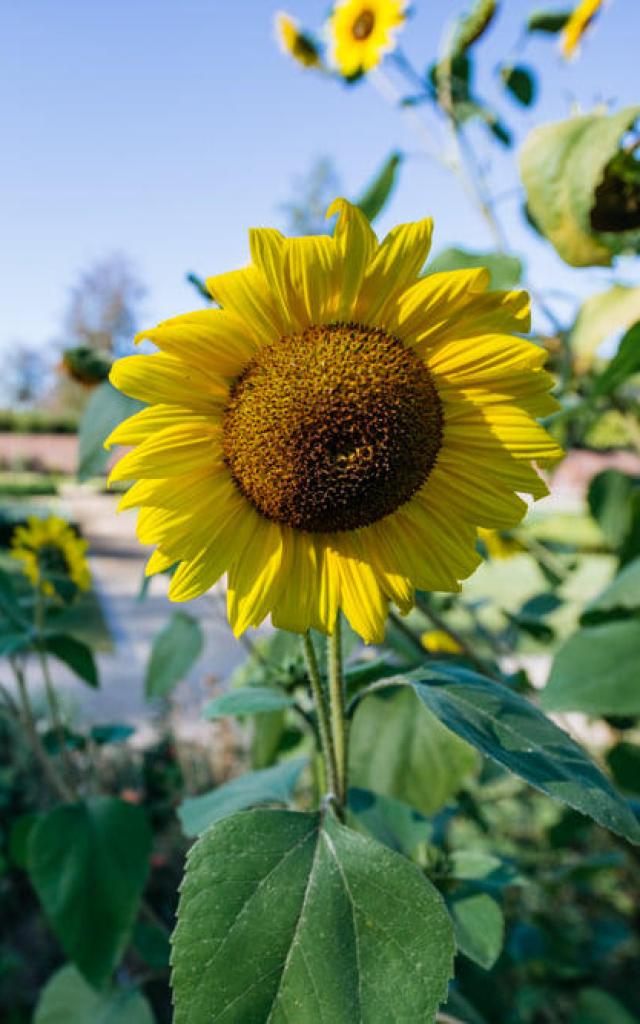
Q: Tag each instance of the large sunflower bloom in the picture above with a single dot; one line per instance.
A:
(361, 32)
(335, 434)
(50, 548)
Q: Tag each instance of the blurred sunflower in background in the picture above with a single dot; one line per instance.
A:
(51, 552)
(579, 21)
(361, 32)
(297, 43)
(333, 436)
(436, 641)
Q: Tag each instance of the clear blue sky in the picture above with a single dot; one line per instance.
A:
(165, 128)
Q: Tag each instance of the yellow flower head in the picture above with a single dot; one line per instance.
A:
(50, 548)
(335, 433)
(581, 17)
(499, 545)
(296, 43)
(361, 32)
(436, 641)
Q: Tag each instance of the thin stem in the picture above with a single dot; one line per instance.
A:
(322, 713)
(336, 700)
(52, 697)
(56, 782)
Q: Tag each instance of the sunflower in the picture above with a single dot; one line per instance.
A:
(296, 43)
(333, 436)
(578, 23)
(436, 641)
(49, 549)
(361, 32)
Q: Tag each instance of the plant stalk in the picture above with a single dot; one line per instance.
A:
(56, 782)
(52, 697)
(338, 720)
(322, 713)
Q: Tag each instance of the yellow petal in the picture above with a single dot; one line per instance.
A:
(136, 429)
(170, 452)
(245, 293)
(313, 268)
(394, 267)
(165, 379)
(255, 576)
(213, 340)
(361, 596)
(294, 607)
(356, 244)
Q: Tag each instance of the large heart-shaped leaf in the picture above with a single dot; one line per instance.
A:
(251, 700)
(68, 999)
(106, 408)
(513, 732)
(293, 917)
(88, 863)
(266, 786)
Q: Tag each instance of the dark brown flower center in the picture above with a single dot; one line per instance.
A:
(363, 25)
(333, 428)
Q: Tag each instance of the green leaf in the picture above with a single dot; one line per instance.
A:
(267, 786)
(377, 194)
(68, 999)
(111, 732)
(624, 364)
(473, 865)
(520, 82)
(624, 762)
(505, 271)
(595, 671)
(600, 316)
(75, 654)
(610, 503)
(175, 650)
(105, 409)
(339, 928)
(594, 1006)
(479, 928)
(620, 597)
(472, 26)
(550, 22)
(511, 731)
(152, 944)
(252, 700)
(389, 821)
(563, 170)
(400, 753)
(88, 863)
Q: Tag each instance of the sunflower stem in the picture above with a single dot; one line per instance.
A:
(56, 782)
(322, 713)
(52, 697)
(338, 719)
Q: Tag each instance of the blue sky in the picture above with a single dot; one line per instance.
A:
(164, 129)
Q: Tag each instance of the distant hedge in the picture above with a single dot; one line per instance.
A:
(37, 421)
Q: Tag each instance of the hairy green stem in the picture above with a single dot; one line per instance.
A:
(322, 714)
(338, 720)
(52, 697)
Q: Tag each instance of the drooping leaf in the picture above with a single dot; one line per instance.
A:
(75, 654)
(505, 271)
(377, 194)
(600, 316)
(625, 363)
(596, 671)
(563, 166)
(251, 700)
(339, 928)
(620, 597)
(520, 82)
(398, 752)
(389, 821)
(267, 786)
(511, 731)
(68, 999)
(88, 863)
(105, 409)
(550, 22)
(176, 648)
(479, 927)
